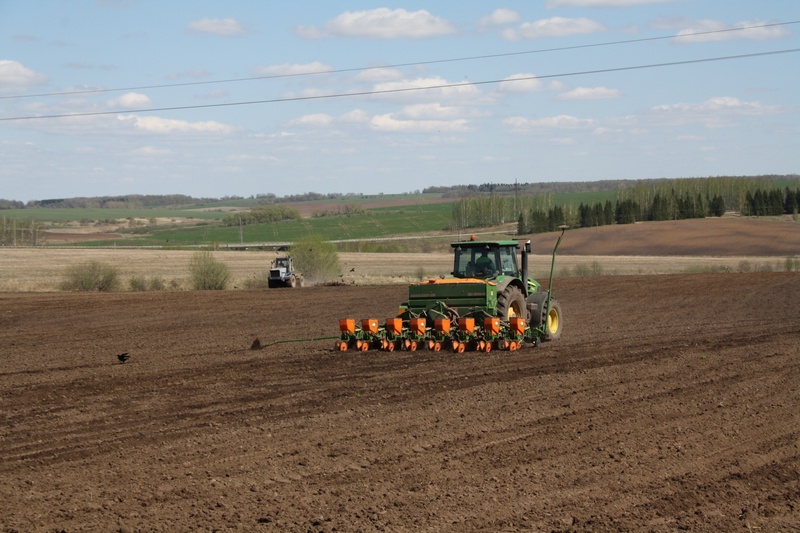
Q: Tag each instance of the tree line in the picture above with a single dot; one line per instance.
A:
(667, 200)
(266, 214)
(729, 184)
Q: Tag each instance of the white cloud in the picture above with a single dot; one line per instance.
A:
(429, 88)
(729, 32)
(130, 101)
(717, 112)
(553, 27)
(432, 111)
(556, 122)
(726, 104)
(310, 92)
(193, 74)
(356, 115)
(224, 27)
(602, 3)
(214, 94)
(375, 75)
(287, 69)
(390, 123)
(151, 151)
(165, 125)
(313, 121)
(590, 93)
(381, 23)
(14, 76)
(252, 157)
(494, 159)
(521, 83)
(714, 113)
(499, 17)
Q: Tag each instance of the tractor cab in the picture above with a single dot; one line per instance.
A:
(283, 262)
(484, 260)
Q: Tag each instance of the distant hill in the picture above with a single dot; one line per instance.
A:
(708, 237)
(136, 201)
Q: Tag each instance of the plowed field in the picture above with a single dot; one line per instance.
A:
(671, 403)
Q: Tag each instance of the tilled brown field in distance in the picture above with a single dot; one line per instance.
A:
(671, 403)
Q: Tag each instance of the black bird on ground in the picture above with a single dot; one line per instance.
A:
(123, 357)
(353, 269)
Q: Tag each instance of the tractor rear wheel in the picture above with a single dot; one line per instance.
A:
(511, 303)
(554, 322)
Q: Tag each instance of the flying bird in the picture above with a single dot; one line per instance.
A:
(123, 357)
(353, 269)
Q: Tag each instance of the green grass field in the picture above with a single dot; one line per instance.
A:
(378, 222)
(64, 215)
(374, 223)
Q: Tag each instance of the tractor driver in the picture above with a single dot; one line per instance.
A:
(484, 264)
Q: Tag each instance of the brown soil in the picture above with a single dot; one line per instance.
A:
(721, 237)
(671, 403)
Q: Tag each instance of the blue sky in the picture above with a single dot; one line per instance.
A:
(533, 112)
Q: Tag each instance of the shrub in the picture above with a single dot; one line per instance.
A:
(207, 273)
(315, 258)
(581, 271)
(745, 266)
(138, 283)
(91, 276)
(141, 283)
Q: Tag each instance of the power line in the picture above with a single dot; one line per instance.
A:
(408, 89)
(398, 65)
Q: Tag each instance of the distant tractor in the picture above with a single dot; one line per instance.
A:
(283, 274)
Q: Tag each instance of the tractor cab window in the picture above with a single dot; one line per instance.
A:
(508, 261)
(476, 262)
(282, 262)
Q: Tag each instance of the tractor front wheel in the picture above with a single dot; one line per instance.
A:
(510, 304)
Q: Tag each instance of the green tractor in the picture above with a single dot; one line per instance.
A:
(488, 302)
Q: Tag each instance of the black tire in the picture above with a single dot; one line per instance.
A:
(511, 303)
(554, 322)
(539, 302)
(271, 284)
